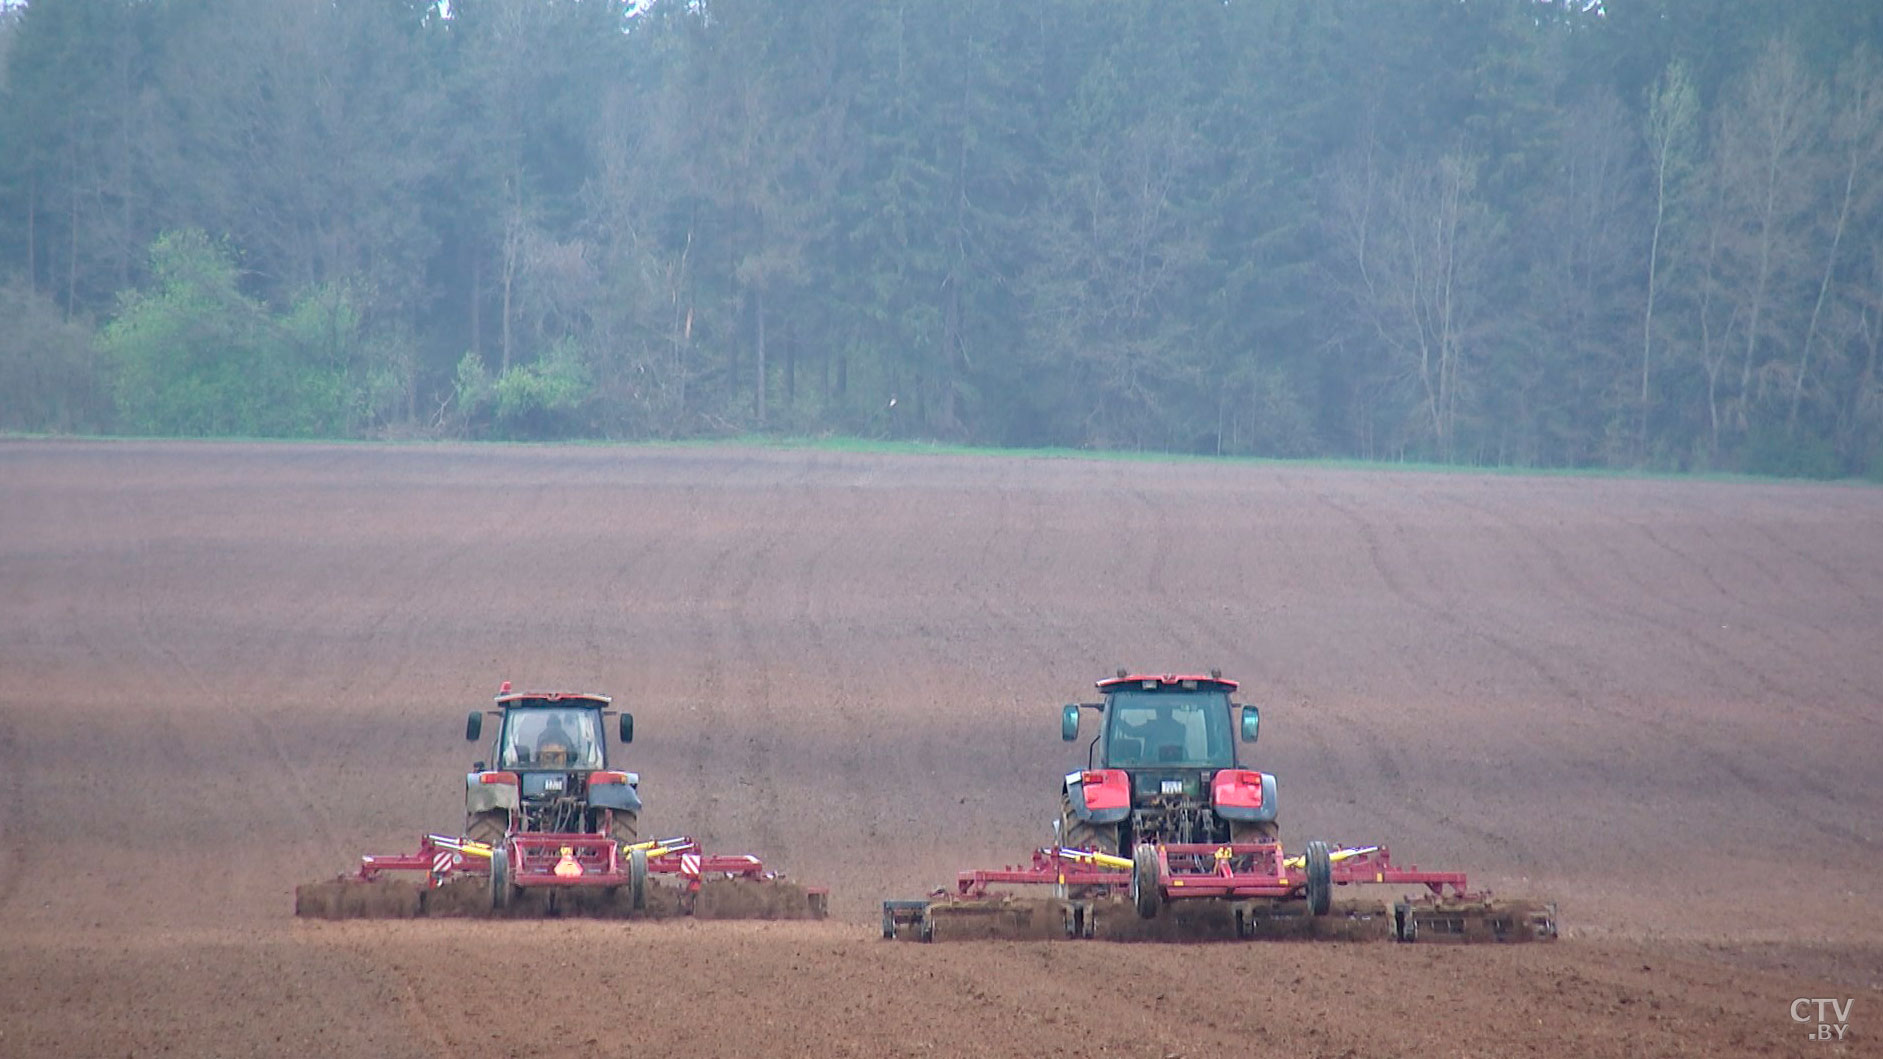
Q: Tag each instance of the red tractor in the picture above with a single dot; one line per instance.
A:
(1162, 774)
(1167, 812)
(1163, 767)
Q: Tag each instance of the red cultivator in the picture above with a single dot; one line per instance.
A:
(583, 874)
(1252, 888)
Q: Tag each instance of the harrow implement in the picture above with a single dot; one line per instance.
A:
(543, 873)
(1249, 890)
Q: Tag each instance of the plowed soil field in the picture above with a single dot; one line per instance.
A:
(229, 669)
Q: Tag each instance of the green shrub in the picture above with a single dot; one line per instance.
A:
(195, 356)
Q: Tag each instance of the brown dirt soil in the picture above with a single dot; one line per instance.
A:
(229, 669)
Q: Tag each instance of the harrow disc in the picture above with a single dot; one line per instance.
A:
(1469, 922)
(347, 898)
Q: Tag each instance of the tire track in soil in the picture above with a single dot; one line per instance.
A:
(1721, 656)
(1027, 640)
(16, 851)
(1019, 638)
(418, 1015)
(1384, 758)
(1795, 779)
(1328, 761)
(1032, 629)
(756, 658)
(1593, 604)
(317, 814)
(611, 593)
(1863, 691)
(13, 844)
(1383, 761)
(1562, 584)
(707, 698)
(1329, 765)
(432, 559)
(1209, 628)
(1637, 711)
(865, 813)
(403, 618)
(1839, 580)
(164, 743)
(369, 963)
(1021, 624)
(1156, 517)
(863, 757)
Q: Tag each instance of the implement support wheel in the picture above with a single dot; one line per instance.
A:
(637, 880)
(500, 878)
(1144, 884)
(1320, 878)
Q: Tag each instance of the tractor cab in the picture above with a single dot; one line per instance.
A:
(1180, 722)
(1163, 765)
(548, 770)
(551, 736)
(549, 731)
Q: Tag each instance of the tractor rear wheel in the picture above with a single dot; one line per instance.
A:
(487, 827)
(1252, 832)
(1144, 885)
(1075, 833)
(624, 827)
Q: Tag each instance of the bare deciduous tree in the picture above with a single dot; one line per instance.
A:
(1856, 148)
(1765, 156)
(1673, 110)
(1416, 246)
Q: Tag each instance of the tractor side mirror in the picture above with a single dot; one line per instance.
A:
(1251, 723)
(1069, 722)
(474, 726)
(627, 727)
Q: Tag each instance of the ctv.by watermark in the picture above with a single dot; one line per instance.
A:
(1828, 1018)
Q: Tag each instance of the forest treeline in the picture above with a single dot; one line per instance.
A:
(1632, 233)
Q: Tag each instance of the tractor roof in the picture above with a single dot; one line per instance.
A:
(536, 699)
(1166, 682)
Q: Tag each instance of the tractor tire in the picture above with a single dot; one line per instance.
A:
(1145, 894)
(1262, 831)
(1320, 867)
(637, 880)
(624, 827)
(500, 889)
(487, 827)
(1075, 833)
